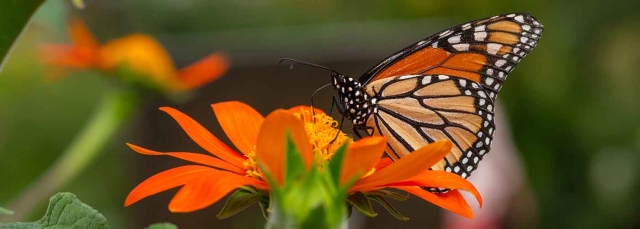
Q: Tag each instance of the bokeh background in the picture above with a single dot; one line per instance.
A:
(572, 104)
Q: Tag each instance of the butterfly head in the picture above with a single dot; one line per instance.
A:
(355, 102)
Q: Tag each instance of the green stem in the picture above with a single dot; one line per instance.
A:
(116, 107)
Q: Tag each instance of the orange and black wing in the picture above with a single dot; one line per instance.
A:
(415, 110)
(484, 51)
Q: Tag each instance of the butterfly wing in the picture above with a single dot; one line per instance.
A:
(415, 110)
(484, 51)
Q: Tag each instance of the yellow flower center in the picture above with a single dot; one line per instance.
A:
(251, 165)
(324, 136)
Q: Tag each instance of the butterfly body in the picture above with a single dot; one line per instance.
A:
(440, 88)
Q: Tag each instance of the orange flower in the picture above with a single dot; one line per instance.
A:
(217, 175)
(363, 160)
(264, 140)
(138, 52)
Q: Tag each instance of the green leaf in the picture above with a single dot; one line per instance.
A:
(390, 194)
(362, 203)
(294, 165)
(162, 226)
(382, 201)
(4, 211)
(65, 211)
(237, 202)
(335, 165)
(14, 16)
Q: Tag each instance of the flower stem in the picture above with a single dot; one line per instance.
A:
(115, 108)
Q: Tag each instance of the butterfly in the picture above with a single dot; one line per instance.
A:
(441, 87)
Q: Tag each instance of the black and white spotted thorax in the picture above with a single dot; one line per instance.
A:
(356, 104)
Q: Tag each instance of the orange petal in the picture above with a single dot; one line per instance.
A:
(361, 156)
(408, 166)
(300, 108)
(441, 179)
(384, 162)
(192, 157)
(80, 34)
(208, 188)
(204, 71)
(205, 139)
(452, 201)
(68, 56)
(271, 144)
(240, 122)
(164, 181)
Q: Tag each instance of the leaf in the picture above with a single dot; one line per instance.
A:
(65, 211)
(390, 194)
(362, 203)
(162, 226)
(335, 165)
(4, 211)
(14, 16)
(382, 201)
(237, 202)
(294, 165)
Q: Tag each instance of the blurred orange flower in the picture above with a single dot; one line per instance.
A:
(140, 53)
(263, 140)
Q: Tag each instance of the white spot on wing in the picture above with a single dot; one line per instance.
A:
(426, 80)
(443, 77)
(463, 82)
(480, 36)
(454, 39)
(461, 47)
(493, 48)
(480, 28)
(500, 62)
(519, 18)
(488, 80)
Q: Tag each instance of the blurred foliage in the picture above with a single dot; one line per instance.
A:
(572, 102)
(162, 226)
(14, 16)
(65, 211)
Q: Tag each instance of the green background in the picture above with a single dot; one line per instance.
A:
(572, 104)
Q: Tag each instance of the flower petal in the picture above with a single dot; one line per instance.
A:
(164, 181)
(441, 179)
(204, 138)
(192, 157)
(240, 122)
(361, 156)
(452, 200)
(204, 71)
(300, 108)
(407, 167)
(80, 34)
(208, 188)
(271, 143)
(384, 162)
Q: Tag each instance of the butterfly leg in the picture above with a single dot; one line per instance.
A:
(335, 103)
(357, 129)
(339, 129)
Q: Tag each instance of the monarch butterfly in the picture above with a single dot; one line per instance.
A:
(441, 87)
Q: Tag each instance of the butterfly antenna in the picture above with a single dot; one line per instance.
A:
(294, 62)
(314, 94)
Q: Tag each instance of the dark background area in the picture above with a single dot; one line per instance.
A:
(572, 103)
